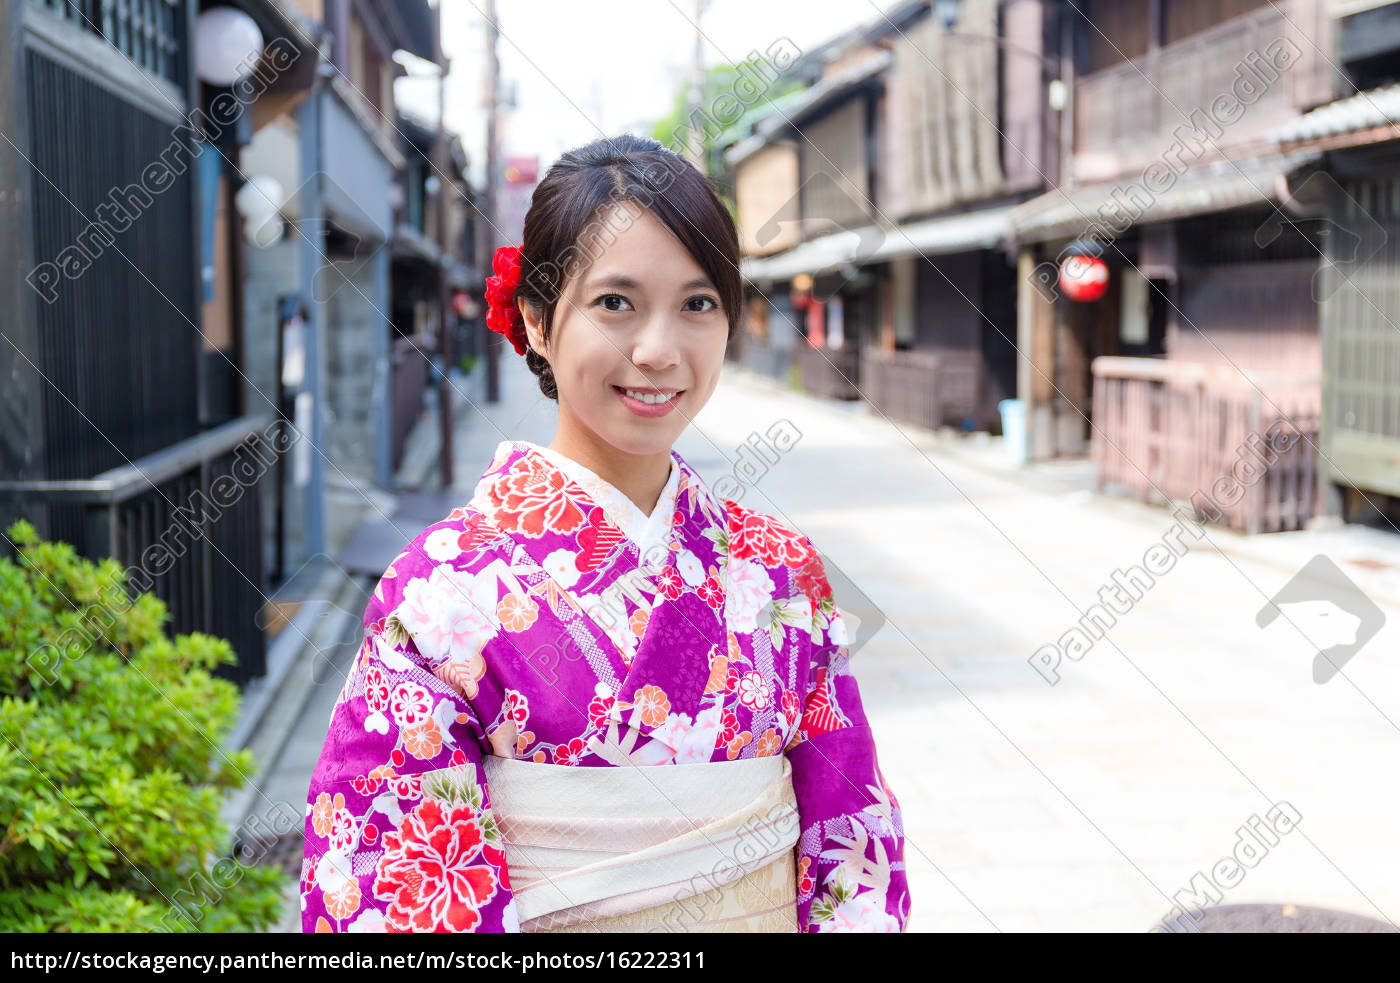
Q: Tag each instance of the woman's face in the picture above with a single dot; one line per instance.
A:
(641, 315)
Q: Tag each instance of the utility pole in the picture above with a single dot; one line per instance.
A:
(445, 187)
(695, 138)
(492, 239)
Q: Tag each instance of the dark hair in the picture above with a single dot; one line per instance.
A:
(568, 209)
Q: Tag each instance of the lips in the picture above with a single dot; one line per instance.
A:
(644, 408)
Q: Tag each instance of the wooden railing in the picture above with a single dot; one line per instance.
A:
(1240, 447)
(925, 388)
(1127, 115)
(830, 373)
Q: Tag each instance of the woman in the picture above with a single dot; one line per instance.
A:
(597, 697)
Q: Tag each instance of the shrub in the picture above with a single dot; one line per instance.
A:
(112, 767)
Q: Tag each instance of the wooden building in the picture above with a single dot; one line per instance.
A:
(882, 267)
(1208, 331)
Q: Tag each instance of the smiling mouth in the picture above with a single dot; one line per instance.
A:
(652, 397)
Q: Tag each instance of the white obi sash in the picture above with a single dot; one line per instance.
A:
(681, 848)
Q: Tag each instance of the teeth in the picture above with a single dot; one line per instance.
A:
(647, 397)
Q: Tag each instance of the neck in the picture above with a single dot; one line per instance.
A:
(640, 477)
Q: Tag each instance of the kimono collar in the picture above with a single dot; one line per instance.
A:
(649, 532)
(556, 526)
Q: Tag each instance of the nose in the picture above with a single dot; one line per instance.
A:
(657, 346)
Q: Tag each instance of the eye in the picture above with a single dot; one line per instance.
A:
(603, 299)
(714, 304)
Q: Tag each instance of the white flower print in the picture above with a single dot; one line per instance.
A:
(443, 545)
(749, 588)
(754, 691)
(838, 628)
(863, 913)
(333, 870)
(450, 612)
(698, 745)
(369, 920)
(561, 566)
(688, 565)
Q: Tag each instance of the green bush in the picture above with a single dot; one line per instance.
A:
(112, 767)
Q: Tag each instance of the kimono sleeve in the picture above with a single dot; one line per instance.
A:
(850, 873)
(399, 831)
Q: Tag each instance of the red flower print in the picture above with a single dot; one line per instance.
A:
(366, 785)
(571, 753)
(517, 706)
(670, 585)
(376, 689)
(731, 683)
(370, 834)
(406, 786)
(497, 856)
(458, 758)
(755, 535)
(811, 580)
(599, 709)
(477, 530)
(791, 707)
(711, 593)
(728, 727)
(534, 499)
(433, 871)
(342, 831)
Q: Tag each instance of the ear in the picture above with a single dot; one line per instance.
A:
(534, 332)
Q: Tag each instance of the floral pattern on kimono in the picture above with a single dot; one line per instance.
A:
(526, 625)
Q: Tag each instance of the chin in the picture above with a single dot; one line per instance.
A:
(642, 441)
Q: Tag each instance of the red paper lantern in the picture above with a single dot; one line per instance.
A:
(1084, 278)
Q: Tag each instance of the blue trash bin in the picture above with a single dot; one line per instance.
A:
(1013, 428)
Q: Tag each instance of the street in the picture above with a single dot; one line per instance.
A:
(1086, 805)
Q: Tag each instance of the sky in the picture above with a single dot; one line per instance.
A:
(581, 70)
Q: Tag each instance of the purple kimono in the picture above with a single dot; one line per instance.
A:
(487, 635)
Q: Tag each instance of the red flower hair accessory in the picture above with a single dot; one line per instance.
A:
(502, 314)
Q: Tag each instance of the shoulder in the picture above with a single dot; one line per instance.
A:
(462, 541)
(755, 535)
(758, 537)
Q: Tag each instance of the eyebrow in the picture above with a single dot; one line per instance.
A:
(627, 283)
